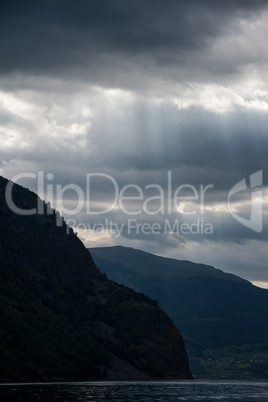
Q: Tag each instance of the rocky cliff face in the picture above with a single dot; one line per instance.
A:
(61, 318)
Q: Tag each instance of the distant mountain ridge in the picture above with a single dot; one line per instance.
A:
(60, 318)
(143, 262)
(214, 310)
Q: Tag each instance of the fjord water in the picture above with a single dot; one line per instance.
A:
(191, 391)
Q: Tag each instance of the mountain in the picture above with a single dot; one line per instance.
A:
(223, 318)
(60, 318)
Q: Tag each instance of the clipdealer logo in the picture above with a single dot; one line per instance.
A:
(131, 200)
(255, 220)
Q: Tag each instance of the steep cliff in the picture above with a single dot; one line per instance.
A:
(61, 318)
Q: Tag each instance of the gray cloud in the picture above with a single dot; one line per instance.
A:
(135, 89)
(193, 137)
(98, 40)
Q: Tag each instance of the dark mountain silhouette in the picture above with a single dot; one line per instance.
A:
(223, 318)
(60, 318)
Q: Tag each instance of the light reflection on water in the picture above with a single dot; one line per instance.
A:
(191, 391)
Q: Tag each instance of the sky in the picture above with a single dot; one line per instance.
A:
(145, 123)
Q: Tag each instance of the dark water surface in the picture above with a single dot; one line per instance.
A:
(228, 391)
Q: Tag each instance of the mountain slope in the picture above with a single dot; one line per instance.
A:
(60, 318)
(214, 310)
(145, 262)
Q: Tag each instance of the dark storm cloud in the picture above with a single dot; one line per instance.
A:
(204, 145)
(46, 36)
